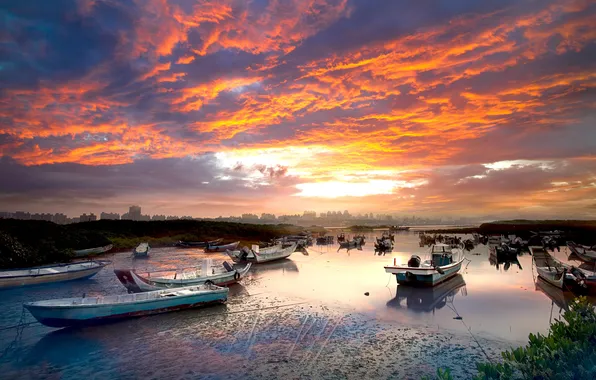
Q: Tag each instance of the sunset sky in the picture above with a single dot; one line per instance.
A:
(207, 108)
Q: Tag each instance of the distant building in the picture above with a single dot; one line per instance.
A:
(59, 218)
(172, 217)
(309, 215)
(5, 215)
(109, 216)
(158, 217)
(22, 215)
(250, 217)
(144, 218)
(265, 216)
(75, 220)
(134, 212)
(88, 218)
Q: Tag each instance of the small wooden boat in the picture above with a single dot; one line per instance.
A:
(221, 275)
(584, 253)
(221, 248)
(351, 244)
(93, 251)
(88, 310)
(50, 273)
(142, 250)
(556, 273)
(258, 255)
(197, 244)
(444, 263)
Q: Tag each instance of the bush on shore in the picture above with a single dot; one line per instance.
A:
(568, 351)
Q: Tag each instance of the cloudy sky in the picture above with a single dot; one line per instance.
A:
(207, 108)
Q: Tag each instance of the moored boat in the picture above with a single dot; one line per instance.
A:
(142, 250)
(222, 275)
(221, 248)
(584, 253)
(556, 273)
(50, 273)
(196, 244)
(93, 251)
(257, 255)
(88, 310)
(444, 262)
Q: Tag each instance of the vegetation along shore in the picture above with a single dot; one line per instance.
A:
(26, 243)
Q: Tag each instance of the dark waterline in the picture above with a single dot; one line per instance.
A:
(302, 317)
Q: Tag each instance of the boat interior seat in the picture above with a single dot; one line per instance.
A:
(228, 266)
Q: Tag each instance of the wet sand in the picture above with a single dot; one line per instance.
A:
(305, 317)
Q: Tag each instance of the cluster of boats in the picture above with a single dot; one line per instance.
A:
(148, 293)
(164, 291)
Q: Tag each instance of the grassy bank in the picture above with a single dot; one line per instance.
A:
(25, 243)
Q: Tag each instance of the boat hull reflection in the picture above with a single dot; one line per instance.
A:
(426, 300)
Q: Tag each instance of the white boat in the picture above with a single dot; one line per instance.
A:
(556, 273)
(257, 255)
(50, 273)
(221, 275)
(87, 310)
(443, 263)
(93, 251)
(142, 250)
(221, 248)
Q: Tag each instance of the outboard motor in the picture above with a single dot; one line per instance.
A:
(414, 262)
(244, 253)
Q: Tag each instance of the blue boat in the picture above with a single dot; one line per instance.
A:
(91, 310)
(443, 263)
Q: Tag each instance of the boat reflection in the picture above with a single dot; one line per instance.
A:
(64, 346)
(497, 258)
(559, 297)
(285, 265)
(426, 300)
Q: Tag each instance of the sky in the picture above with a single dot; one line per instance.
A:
(207, 108)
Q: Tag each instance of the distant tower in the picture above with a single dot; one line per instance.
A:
(134, 212)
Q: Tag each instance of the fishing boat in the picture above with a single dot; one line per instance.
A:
(142, 250)
(196, 244)
(221, 248)
(50, 273)
(427, 300)
(556, 273)
(93, 251)
(222, 275)
(262, 255)
(443, 263)
(584, 253)
(399, 228)
(89, 310)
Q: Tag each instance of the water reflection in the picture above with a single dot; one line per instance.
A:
(499, 257)
(426, 300)
(556, 295)
(286, 265)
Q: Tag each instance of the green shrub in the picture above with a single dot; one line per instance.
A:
(567, 352)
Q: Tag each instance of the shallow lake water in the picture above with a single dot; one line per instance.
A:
(303, 317)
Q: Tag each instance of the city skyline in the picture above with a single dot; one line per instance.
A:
(461, 108)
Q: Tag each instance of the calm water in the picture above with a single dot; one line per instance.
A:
(302, 317)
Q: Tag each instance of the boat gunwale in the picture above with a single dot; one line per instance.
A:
(162, 280)
(36, 304)
(432, 269)
(101, 264)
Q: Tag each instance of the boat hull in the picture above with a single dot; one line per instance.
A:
(40, 279)
(136, 283)
(221, 248)
(93, 251)
(92, 314)
(424, 276)
(259, 258)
